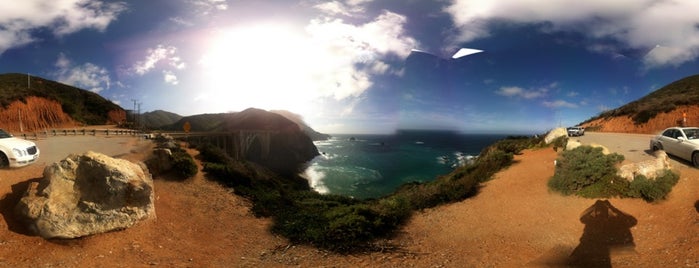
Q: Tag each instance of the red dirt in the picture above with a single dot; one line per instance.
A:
(624, 124)
(514, 221)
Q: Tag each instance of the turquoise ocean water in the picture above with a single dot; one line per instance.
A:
(367, 166)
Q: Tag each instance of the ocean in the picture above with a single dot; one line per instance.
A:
(370, 166)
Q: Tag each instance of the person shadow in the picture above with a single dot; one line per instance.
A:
(606, 229)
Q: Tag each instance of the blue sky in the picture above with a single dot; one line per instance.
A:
(347, 66)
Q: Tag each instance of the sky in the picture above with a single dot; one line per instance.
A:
(350, 66)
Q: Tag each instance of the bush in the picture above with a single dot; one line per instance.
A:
(559, 142)
(183, 164)
(653, 190)
(582, 167)
(586, 172)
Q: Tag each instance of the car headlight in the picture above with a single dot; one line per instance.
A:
(19, 152)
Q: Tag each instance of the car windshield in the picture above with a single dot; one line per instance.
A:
(4, 134)
(692, 133)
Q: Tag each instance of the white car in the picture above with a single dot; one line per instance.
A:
(575, 131)
(682, 142)
(15, 152)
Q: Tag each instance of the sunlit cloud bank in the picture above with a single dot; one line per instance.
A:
(637, 24)
(280, 67)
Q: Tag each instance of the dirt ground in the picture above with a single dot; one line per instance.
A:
(514, 221)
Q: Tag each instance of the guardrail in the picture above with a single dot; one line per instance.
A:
(79, 132)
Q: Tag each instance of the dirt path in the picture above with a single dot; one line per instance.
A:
(514, 221)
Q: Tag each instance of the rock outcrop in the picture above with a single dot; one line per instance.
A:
(572, 145)
(648, 168)
(555, 133)
(87, 194)
(35, 113)
(269, 139)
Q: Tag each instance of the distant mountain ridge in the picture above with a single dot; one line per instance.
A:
(662, 108)
(158, 118)
(29, 103)
(221, 121)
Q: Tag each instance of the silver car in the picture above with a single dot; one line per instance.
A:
(682, 142)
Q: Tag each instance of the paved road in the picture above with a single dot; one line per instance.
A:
(56, 148)
(634, 147)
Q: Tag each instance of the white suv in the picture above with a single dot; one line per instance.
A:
(15, 152)
(576, 131)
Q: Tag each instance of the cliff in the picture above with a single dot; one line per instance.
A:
(278, 143)
(259, 136)
(663, 108)
(314, 135)
(42, 103)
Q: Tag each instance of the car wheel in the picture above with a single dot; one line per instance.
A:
(4, 162)
(695, 159)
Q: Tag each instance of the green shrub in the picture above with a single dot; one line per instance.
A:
(559, 142)
(183, 164)
(653, 190)
(586, 172)
(582, 167)
(608, 186)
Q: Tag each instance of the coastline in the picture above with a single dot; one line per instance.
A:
(513, 221)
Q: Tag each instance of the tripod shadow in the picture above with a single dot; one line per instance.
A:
(606, 228)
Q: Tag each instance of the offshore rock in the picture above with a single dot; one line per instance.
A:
(87, 194)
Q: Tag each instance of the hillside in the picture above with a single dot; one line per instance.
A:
(215, 122)
(654, 112)
(42, 103)
(315, 135)
(158, 119)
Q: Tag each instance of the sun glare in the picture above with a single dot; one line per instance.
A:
(262, 66)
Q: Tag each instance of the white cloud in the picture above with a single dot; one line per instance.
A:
(87, 76)
(165, 55)
(521, 93)
(349, 8)
(19, 20)
(206, 7)
(559, 104)
(357, 51)
(170, 77)
(638, 24)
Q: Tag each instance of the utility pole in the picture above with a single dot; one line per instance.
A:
(134, 112)
(139, 113)
(29, 81)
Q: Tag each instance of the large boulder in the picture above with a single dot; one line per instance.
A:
(605, 150)
(650, 169)
(572, 145)
(87, 194)
(555, 133)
